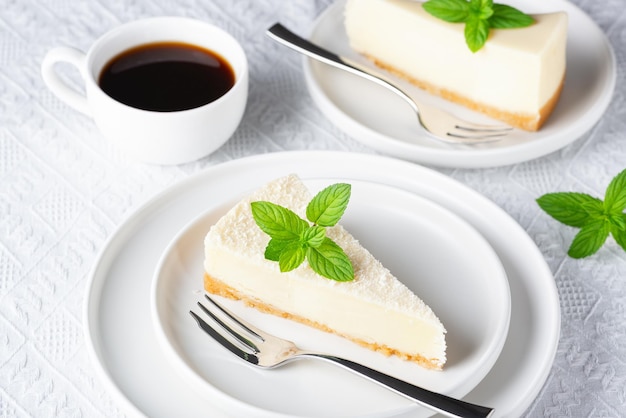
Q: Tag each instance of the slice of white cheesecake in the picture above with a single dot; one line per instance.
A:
(516, 77)
(375, 309)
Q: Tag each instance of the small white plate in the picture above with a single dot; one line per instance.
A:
(434, 252)
(379, 119)
(119, 332)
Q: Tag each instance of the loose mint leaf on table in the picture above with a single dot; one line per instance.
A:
(596, 219)
(590, 238)
(573, 209)
(619, 233)
(615, 198)
(479, 17)
(293, 239)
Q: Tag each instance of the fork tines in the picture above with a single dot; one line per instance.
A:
(224, 333)
(480, 132)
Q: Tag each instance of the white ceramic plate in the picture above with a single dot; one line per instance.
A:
(390, 127)
(118, 324)
(438, 255)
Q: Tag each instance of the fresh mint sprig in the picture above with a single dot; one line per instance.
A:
(479, 17)
(293, 239)
(595, 218)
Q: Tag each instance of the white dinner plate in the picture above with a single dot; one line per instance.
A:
(430, 249)
(118, 323)
(379, 119)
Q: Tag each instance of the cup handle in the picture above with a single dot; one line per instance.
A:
(64, 92)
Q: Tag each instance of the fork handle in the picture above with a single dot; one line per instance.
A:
(286, 37)
(441, 403)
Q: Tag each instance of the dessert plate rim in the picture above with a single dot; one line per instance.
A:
(476, 334)
(391, 128)
(123, 347)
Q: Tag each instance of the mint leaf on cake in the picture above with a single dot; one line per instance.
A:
(278, 222)
(507, 17)
(329, 260)
(293, 240)
(479, 17)
(328, 206)
(454, 11)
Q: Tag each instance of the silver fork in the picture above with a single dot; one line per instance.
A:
(442, 125)
(267, 351)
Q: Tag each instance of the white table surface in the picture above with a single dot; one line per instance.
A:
(64, 189)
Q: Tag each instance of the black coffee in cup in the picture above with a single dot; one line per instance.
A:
(167, 77)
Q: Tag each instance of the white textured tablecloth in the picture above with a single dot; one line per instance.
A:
(63, 191)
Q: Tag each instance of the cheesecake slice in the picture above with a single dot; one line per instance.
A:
(375, 309)
(516, 77)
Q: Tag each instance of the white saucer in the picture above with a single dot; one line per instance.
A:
(379, 119)
(118, 325)
(430, 249)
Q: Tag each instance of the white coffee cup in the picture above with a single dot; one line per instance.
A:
(155, 137)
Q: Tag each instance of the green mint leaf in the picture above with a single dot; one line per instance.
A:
(330, 261)
(329, 205)
(278, 222)
(618, 221)
(291, 257)
(276, 246)
(479, 4)
(590, 238)
(314, 236)
(476, 33)
(619, 234)
(572, 209)
(594, 207)
(615, 195)
(507, 17)
(481, 9)
(454, 11)
(595, 218)
(293, 240)
(479, 17)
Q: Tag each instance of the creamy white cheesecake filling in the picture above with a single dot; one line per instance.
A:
(375, 308)
(517, 71)
(342, 312)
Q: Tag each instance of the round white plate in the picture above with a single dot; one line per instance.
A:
(118, 324)
(379, 119)
(430, 249)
